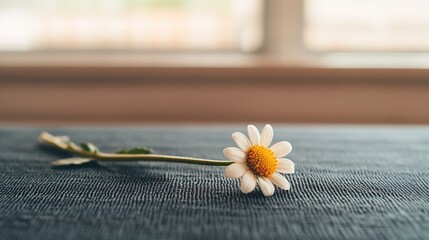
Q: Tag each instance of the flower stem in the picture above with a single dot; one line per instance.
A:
(67, 145)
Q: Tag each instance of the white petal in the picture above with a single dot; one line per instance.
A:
(248, 182)
(279, 181)
(235, 154)
(254, 136)
(266, 186)
(285, 166)
(235, 170)
(241, 140)
(267, 135)
(281, 149)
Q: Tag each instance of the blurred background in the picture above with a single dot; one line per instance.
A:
(197, 61)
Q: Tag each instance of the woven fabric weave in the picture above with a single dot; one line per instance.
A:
(351, 182)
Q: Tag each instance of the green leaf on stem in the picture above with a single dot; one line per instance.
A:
(137, 150)
(89, 147)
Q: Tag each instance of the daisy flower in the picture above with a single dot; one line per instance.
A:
(255, 162)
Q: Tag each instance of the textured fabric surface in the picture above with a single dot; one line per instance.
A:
(351, 182)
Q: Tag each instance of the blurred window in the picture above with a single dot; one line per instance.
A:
(366, 25)
(38, 25)
(219, 25)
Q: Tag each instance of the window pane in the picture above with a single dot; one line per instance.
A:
(365, 25)
(27, 25)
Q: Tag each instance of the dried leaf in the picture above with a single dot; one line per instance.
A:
(72, 161)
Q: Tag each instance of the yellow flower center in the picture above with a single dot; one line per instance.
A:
(261, 161)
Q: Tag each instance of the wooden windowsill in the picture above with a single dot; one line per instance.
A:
(249, 89)
(230, 68)
(216, 60)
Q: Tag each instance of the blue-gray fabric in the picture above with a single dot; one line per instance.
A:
(351, 182)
